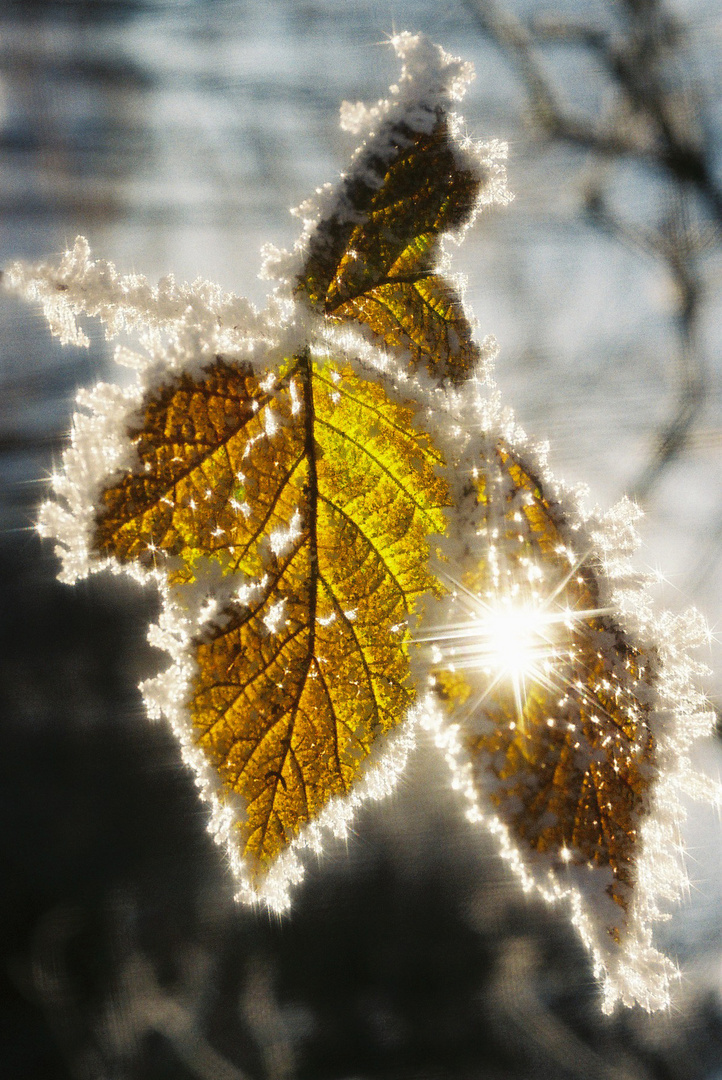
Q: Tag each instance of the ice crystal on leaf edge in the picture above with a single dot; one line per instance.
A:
(182, 329)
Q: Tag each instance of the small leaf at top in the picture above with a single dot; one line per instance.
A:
(373, 259)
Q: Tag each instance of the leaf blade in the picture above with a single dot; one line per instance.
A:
(564, 752)
(296, 683)
(181, 489)
(373, 259)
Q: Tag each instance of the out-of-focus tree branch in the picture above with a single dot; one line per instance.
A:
(661, 128)
(656, 122)
(675, 246)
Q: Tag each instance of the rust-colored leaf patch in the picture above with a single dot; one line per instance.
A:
(555, 697)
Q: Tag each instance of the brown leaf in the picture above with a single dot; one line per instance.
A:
(552, 695)
(373, 259)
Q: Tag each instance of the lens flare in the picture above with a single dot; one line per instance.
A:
(513, 636)
(512, 639)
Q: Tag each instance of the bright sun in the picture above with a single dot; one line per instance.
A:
(511, 640)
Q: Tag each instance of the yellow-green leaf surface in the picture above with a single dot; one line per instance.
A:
(373, 260)
(559, 737)
(320, 495)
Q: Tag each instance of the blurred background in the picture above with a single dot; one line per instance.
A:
(175, 135)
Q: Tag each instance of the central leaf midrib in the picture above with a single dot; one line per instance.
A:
(309, 424)
(305, 372)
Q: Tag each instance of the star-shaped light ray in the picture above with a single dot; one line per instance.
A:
(516, 635)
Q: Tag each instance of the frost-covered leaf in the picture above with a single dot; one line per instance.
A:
(561, 695)
(572, 712)
(315, 494)
(374, 255)
(374, 259)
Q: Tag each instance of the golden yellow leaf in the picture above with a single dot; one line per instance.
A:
(373, 259)
(555, 697)
(314, 487)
